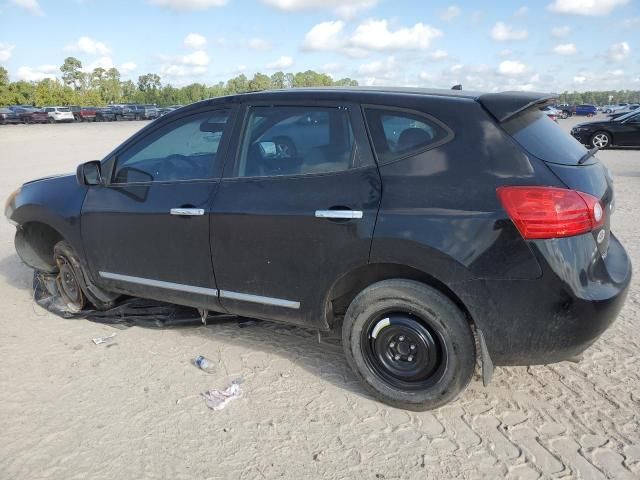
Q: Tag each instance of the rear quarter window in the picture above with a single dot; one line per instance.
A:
(398, 133)
(544, 138)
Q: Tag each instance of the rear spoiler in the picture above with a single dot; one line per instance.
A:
(506, 105)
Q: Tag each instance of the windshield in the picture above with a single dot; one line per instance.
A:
(626, 116)
(64, 109)
(545, 139)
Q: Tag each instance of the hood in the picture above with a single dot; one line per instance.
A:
(598, 123)
(50, 177)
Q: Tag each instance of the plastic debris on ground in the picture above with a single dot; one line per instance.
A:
(101, 340)
(204, 364)
(218, 399)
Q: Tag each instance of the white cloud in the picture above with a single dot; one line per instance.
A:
(565, 49)
(438, 55)
(36, 74)
(449, 13)
(561, 31)
(282, 62)
(521, 12)
(619, 51)
(195, 40)
(89, 46)
(369, 35)
(590, 8)
(342, 8)
(187, 5)
(579, 79)
(426, 76)
(105, 62)
(502, 32)
(378, 67)
(631, 22)
(199, 58)
(617, 72)
(511, 68)
(375, 35)
(5, 51)
(324, 36)
(31, 6)
(127, 68)
(259, 44)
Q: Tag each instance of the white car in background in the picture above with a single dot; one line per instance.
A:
(59, 114)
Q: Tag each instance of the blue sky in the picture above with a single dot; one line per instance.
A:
(551, 45)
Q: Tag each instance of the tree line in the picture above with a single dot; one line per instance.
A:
(105, 86)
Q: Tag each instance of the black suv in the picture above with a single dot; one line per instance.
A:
(432, 227)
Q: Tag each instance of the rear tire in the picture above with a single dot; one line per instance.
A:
(71, 280)
(409, 344)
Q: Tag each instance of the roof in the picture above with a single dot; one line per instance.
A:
(502, 106)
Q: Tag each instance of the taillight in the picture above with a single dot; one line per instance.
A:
(550, 212)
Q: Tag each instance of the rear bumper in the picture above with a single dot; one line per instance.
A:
(560, 314)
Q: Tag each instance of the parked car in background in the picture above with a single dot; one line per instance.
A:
(8, 116)
(171, 108)
(142, 112)
(105, 114)
(433, 228)
(586, 109)
(28, 114)
(615, 108)
(628, 109)
(552, 112)
(59, 114)
(85, 114)
(566, 109)
(623, 131)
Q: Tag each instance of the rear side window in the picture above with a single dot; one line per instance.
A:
(397, 134)
(543, 138)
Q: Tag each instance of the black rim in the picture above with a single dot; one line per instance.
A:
(68, 284)
(404, 351)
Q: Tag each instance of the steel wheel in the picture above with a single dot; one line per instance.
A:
(68, 285)
(403, 351)
(600, 140)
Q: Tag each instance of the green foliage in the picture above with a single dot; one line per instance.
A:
(600, 98)
(72, 73)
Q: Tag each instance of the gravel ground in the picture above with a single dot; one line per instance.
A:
(70, 409)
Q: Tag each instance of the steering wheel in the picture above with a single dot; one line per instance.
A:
(285, 148)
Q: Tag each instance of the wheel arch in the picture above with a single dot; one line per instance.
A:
(34, 242)
(345, 289)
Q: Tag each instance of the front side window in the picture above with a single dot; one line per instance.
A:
(185, 149)
(295, 141)
(397, 134)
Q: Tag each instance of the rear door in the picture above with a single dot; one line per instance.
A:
(295, 211)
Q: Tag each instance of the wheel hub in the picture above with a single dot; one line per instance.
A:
(68, 285)
(404, 351)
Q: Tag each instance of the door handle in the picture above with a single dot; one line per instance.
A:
(338, 213)
(187, 211)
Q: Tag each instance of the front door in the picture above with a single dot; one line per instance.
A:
(628, 133)
(146, 231)
(295, 211)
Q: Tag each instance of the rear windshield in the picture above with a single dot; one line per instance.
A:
(64, 109)
(545, 139)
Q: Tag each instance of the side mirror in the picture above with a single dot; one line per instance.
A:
(268, 149)
(89, 173)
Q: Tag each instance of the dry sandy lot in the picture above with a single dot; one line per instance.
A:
(71, 409)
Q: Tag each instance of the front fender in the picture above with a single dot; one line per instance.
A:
(55, 202)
